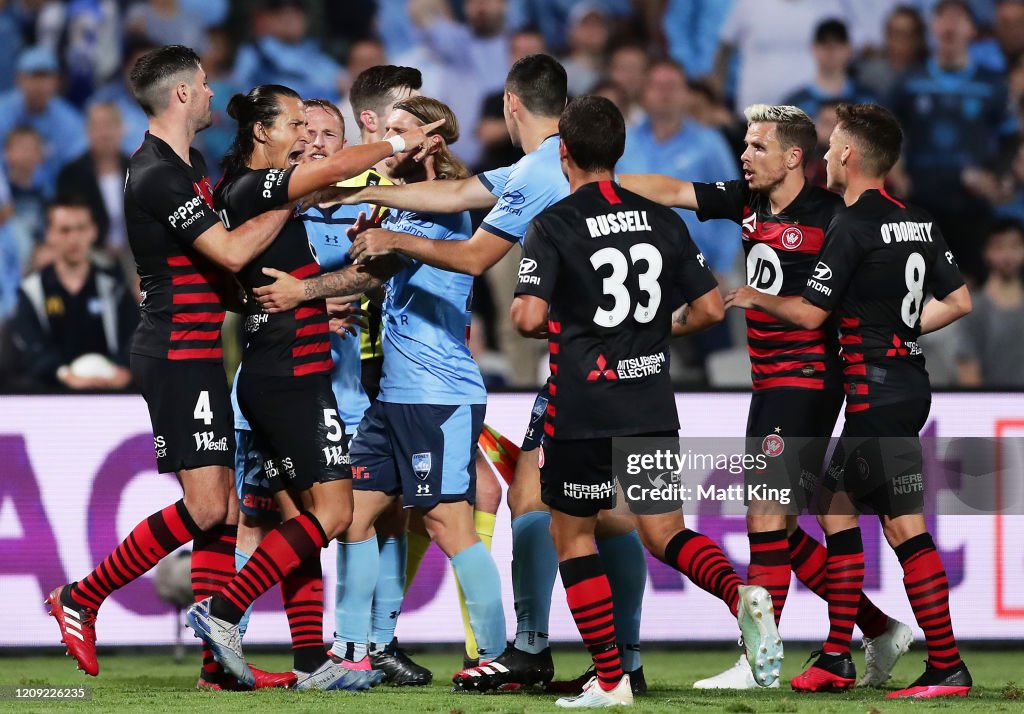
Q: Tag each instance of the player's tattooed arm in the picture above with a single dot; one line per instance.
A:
(699, 314)
(287, 292)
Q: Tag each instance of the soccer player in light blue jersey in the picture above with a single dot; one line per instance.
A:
(535, 94)
(419, 439)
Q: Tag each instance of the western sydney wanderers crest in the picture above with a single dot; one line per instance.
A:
(421, 465)
(792, 237)
(773, 445)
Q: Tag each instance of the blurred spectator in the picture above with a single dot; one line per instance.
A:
(1006, 43)
(23, 155)
(825, 121)
(218, 61)
(670, 142)
(991, 350)
(117, 91)
(708, 107)
(773, 38)
(10, 260)
(552, 17)
(588, 38)
(627, 67)
(164, 22)
(34, 102)
(85, 36)
(282, 53)
(954, 113)
(905, 46)
(73, 308)
(691, 30)
(464, 59)
(523, 43)
(98, 176)
(209, 13)
(613, 93)
(10, 43)
(1010, 200)
(832, 55)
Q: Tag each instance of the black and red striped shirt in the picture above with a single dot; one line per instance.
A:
(296, 342)
(781, 251)
(167, 205)
(881, 259)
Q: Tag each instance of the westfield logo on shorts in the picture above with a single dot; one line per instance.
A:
(335, 455)
(205, 441)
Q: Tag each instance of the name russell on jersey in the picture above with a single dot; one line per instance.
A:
(618, 222)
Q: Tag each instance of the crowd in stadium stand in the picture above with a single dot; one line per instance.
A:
(681, 71)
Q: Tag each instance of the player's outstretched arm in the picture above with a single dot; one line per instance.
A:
(345, 164)
(530, 316)
(287, 292)
(665, 190)
(699, 314)
(449, 196)
(472, 256)
(232, 250)
(939, 313)
(794, 310)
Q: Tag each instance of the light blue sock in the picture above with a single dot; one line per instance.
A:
(358, 564)
(625, 562)
(534, 569)
(478, 575)
(390, 590)
(241, 558)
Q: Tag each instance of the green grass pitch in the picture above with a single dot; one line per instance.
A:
(154, 683)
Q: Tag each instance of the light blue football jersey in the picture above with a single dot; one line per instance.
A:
(325, 229)
(524, 189)
(426, 318)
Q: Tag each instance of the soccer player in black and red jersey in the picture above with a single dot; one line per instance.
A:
(879, 259)
(285, 370)
(795, 372)
(606, 269)
(180, 248)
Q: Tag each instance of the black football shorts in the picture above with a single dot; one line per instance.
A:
(878, 460)
(190, 408)
(788, 431)
(295, 424)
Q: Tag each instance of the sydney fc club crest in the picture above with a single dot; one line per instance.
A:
(421, 465)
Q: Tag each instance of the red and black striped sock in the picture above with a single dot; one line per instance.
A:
(844, 577)
(701, 560)
(302, 592)
(808, 558)
(149, 541)
(279, 554)
(590, 601)
(769, 566)
(928, 590)
(213, 566)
